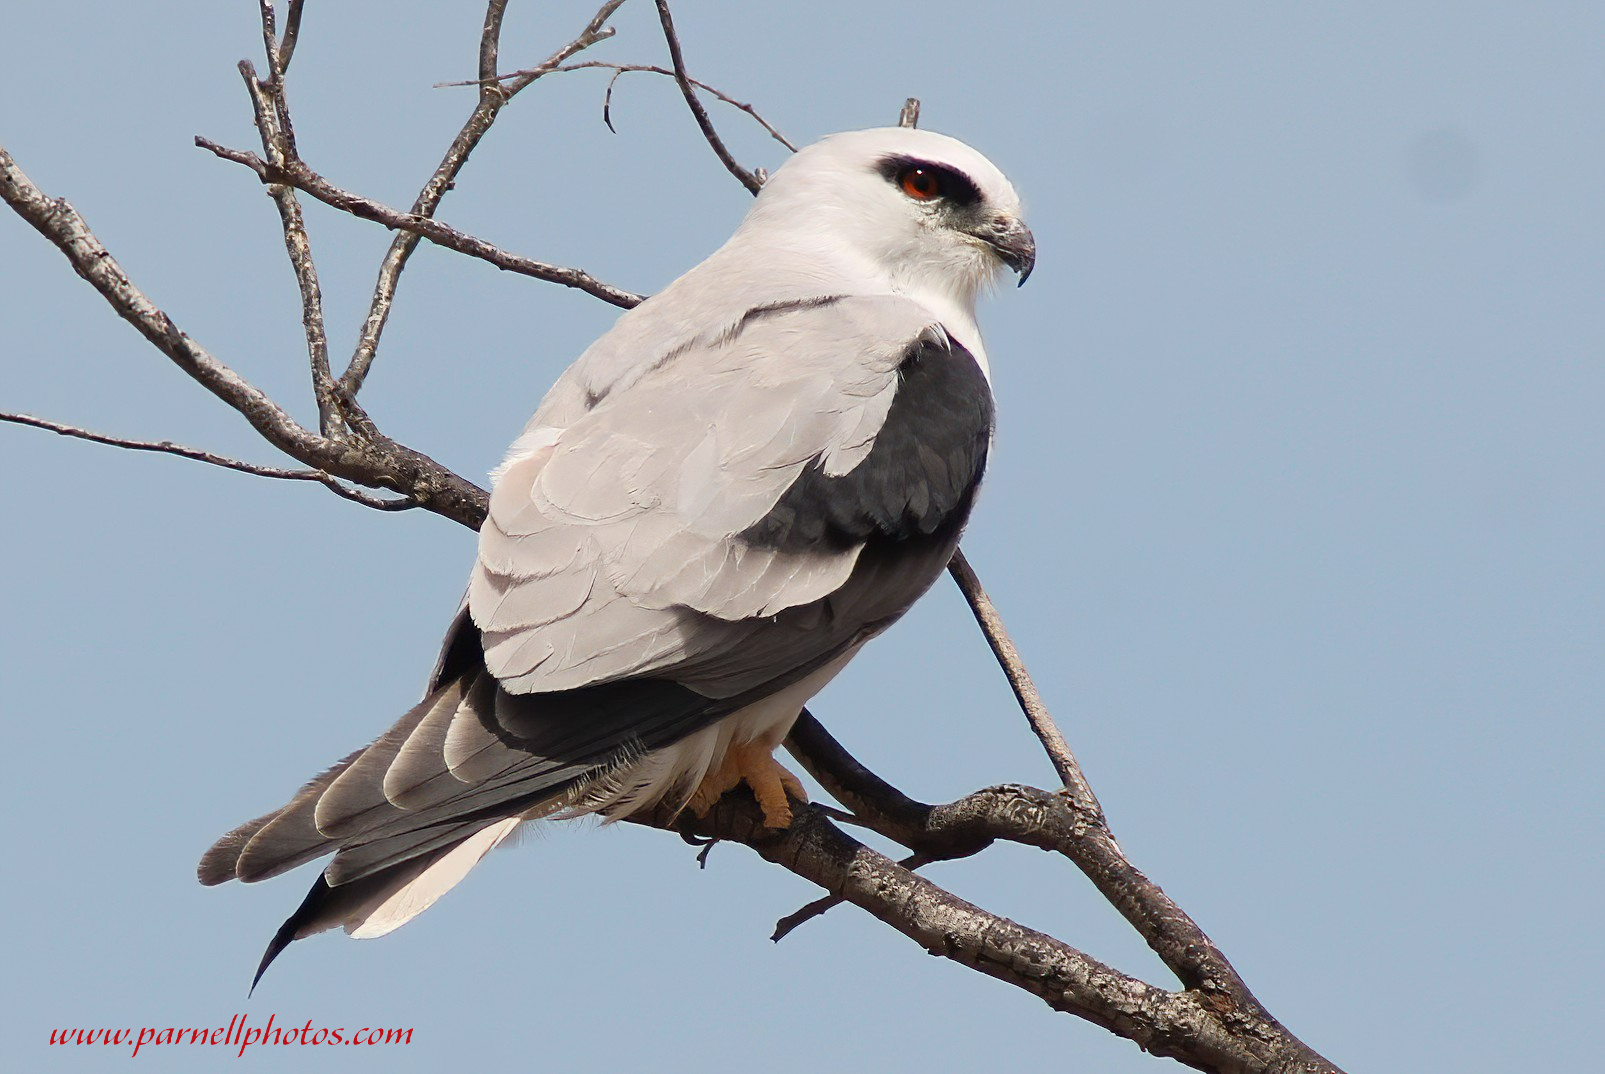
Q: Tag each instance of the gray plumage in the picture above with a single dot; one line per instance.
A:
(748, 477)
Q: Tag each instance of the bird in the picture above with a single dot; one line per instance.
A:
(749, 476)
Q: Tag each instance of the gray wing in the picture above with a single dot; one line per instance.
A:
(618, 548)
(756, 504)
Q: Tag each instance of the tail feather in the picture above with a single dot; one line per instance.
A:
(382, 902)
(220, 863)
(355, 800)
(419, 777)
(419, 894)
(410, 815)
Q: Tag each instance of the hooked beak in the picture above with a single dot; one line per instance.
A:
(1014, 244)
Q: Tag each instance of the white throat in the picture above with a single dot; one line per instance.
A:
(955, 311)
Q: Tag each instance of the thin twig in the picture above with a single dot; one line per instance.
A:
(270, 38)
(746, 178)
(493, 95)
(594, 32)
(272, 112)
(875, 803)
(788, 924)
(490, 36)
(66, 229)
(307, 181)
(647, 68)
(167, 447)
(355, 495)
(243, 157)
(641, 68)
(841, 816)
(402, 246)
(282, 130)
(376, 462)
(1025, 691)
(292, 33)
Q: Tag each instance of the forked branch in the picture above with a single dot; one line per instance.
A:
(743, 176)
(493, 96)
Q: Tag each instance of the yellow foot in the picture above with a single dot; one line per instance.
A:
(754, 764)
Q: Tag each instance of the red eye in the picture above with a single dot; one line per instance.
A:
(921, 184)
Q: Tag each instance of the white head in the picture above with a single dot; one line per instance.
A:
(932, 215)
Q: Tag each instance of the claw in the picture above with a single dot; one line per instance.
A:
(754, 764)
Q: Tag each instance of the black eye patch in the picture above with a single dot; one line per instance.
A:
(926, 180)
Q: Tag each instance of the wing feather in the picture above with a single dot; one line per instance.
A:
(662, 549)
(666, 479)
(358, 794)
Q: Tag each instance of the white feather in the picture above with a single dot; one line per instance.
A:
(414, 898)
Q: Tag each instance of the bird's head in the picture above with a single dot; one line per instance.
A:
(932, 214)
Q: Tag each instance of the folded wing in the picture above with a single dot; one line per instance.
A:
(752, 507)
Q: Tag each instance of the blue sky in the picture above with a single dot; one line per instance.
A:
(1295, 512)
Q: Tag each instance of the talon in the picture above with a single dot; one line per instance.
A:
(752, 763)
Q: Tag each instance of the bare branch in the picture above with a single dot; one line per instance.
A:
(272, 112)
(167, 447)
(1180, 1025)
(788, 924)
(270, 38)
(594, 32)
(271, 109)
(646, 68)
(493, 95)
(402, 246)
(378, 503)
(243, 157)
(61, 224)
(1052, 822)
(301, 177)
(490, 36)
(279, 49)
(746, 178)
(377, 463)
(292, 33)
(1047, 821)
(1025, 691)
(875, 803)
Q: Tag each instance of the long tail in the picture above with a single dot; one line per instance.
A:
(384, 901)
(410, 815)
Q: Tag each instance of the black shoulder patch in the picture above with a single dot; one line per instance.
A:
(920, 475)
